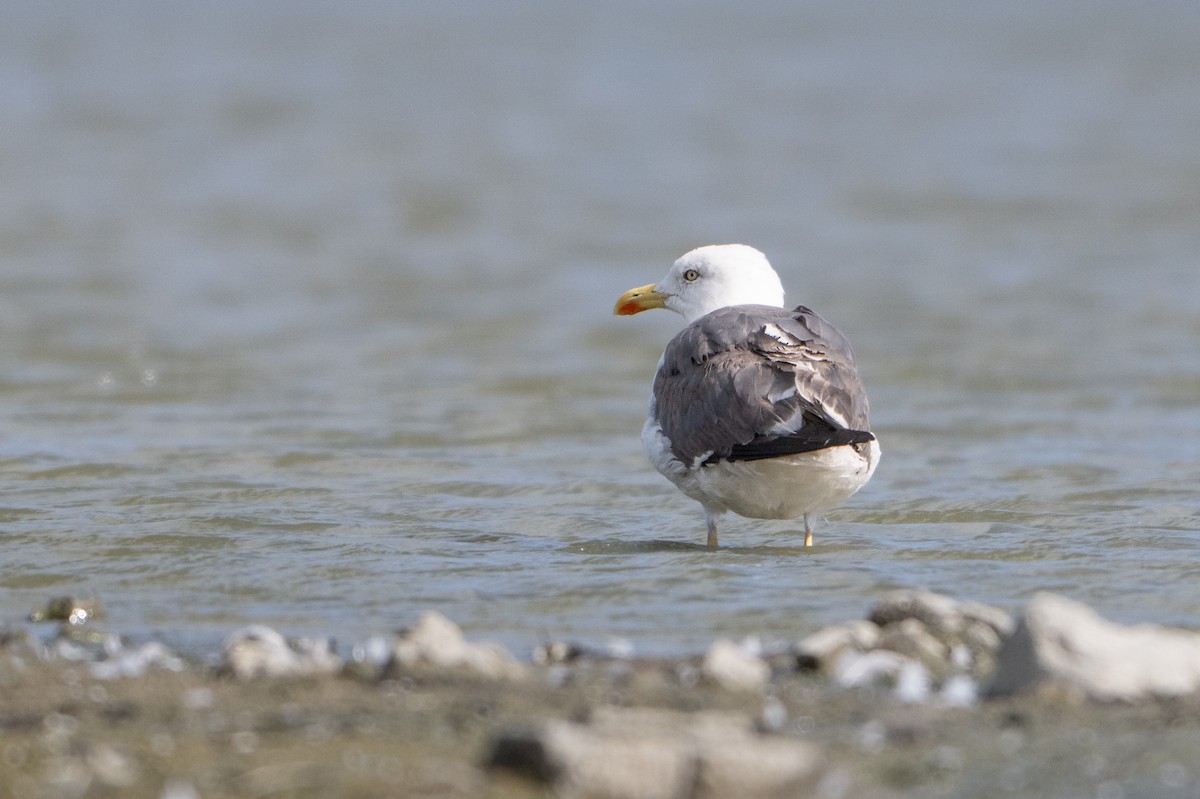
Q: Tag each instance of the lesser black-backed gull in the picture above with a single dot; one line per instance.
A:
(755, 409)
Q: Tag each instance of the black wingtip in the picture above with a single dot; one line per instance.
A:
(806, 441)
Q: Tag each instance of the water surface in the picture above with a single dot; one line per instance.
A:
(306, 309)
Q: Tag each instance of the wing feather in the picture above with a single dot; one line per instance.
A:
(753, 381)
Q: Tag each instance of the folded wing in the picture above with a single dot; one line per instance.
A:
(753, 381)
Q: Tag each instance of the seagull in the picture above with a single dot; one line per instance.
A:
(755, 408)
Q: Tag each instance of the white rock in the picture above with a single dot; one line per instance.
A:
(136, 662)
(864, 633)
(820, 649)
(913, 683)
(436, 643)
(258, 651)
(774, 714)
(862, 669)
(375, 651)
(961, 657)
(959, 691)
(584, 763)
(733, 668)
(317, 655)
(1062, 644)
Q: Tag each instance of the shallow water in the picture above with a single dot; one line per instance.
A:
(306, 309)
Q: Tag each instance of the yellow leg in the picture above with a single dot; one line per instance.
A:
(711, 518)
(807, 532)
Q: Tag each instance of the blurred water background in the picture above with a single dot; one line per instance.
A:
(306, 307)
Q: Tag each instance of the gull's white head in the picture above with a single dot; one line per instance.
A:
(708, 278)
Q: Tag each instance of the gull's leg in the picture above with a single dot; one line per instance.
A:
(807, 532)
(711, 519)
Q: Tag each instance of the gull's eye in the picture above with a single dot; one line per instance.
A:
(691, 275)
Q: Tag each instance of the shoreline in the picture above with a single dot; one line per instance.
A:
(431, 713)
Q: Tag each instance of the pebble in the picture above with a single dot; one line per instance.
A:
(914, 642)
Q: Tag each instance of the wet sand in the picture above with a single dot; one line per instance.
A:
(196, 732)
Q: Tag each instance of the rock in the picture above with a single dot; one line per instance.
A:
(820, 650)
(581, 763)
(913, 683)
(84, 643)
(906, 678)
(909, 637)
(317, 655)
(375, 651)
(436, 644)
(816, 652)
(258, 651)
(866, 669)
(982, 638)
(978, 627)
(774, 714)
(946, 618)
(557, 652)
(67, 609)
(733, 668)
(759, 767)
(977, 613)
(1063, 645)
(647, 754)
(136, 662)
(959, 691)
(940, 614)
(864, 633)
(914, 642)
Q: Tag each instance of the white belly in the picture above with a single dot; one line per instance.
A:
(772, 488)
(788, 487)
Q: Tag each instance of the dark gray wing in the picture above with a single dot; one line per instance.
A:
(752, 381)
